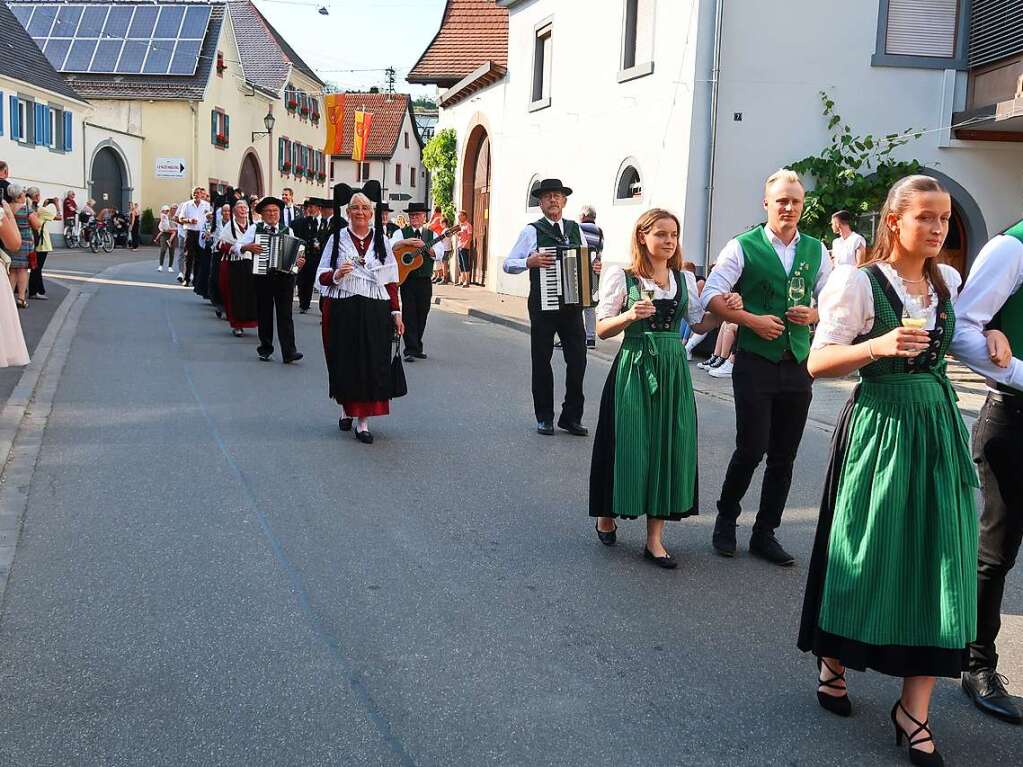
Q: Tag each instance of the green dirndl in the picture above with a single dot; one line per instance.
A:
(892, 579)
(644, 449)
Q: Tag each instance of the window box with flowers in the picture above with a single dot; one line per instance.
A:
(321, 176)
(221, 139)
(221, 66)
(304, 111)
(287, 166)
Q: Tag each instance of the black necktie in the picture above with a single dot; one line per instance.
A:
(271, 230)
(557, 229)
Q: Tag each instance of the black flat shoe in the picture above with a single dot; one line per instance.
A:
(575, 428)
(723, 539)
(220, 314)
(293, 358)
(419, 355)
(545, 427)
(666, 561)
(409, 358)
(365, 437)
(922, 734)
(836, 704)
(263, 357)
(607, 538)
(766, 546)
(344, 424)
(986, 688)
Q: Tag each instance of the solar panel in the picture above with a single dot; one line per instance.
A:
(122, 38)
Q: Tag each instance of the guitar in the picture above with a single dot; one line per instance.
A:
(410, 258)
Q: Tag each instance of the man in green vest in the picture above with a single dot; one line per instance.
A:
(993, 299)
(777, 270)
(417, 290)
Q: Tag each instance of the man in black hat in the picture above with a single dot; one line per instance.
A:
(274, 290)
(567, 322)
(309, 228)
(385, 211)
(417, 290)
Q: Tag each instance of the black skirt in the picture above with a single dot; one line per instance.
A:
(360, 331)
(602, 464)
(892, 660)
(242, 287)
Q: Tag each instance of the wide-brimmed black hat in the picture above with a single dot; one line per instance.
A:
(551, 185)
(385, 208)
(417, 207)
(311, 201)
(263, 203)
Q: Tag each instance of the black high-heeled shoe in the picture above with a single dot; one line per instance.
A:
(916, 756)
(836, 704)
(665, 562)
(608, 538)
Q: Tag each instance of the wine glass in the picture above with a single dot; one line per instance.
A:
(797, 289)
(914, 311)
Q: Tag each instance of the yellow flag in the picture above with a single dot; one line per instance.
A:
(334, 108)
(363, 123)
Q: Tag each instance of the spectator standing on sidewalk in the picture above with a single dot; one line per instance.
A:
(165, 238)
(4, 170)
(848, 248)
(13, 351)
(134, 226)
(27, 223)
(464, 249)
(46, 213)
(594, 237)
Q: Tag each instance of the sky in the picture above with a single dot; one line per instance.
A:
(358, 35)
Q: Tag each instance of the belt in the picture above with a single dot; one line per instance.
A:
(1012, 401)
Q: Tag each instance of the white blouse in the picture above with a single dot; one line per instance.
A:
(226, 237)
(613, 292)
(368, 279)
(846, 304)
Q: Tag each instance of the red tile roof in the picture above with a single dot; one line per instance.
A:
(388, 116)
(472, 32)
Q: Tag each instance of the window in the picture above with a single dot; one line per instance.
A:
(630, 186)
(406, 139)
(220, 129)
(397, 174)
(412, 177)
(52, 127)
(542, 59)
(532, 201)
(637, 40)
(314, 103)
(19, 119)
(284, 163)
(363, 171)
(921, 33)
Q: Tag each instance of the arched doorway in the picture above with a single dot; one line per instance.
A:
(250, 178)
(955, 250)
(108, 184)
(476, 198)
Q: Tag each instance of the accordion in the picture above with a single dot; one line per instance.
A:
(280, 253)
(570, 282)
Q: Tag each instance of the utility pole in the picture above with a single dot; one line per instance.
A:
(392, 77)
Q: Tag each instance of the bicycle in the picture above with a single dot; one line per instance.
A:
(71, 238)
(101, 238)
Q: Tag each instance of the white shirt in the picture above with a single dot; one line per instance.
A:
(369, 279)
(194, 210)
(996, 275)
(229, 235)
(437, 247)
(525, 246)
(846, 304)
(843, 249)
(165, 222)
(731, 261)
(288, 215)
(613, 293)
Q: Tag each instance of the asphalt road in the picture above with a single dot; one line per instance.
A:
(209, 573)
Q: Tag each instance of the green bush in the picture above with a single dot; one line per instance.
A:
(148, 224)
(441, 158)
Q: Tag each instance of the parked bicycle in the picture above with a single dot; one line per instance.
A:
(100, 237)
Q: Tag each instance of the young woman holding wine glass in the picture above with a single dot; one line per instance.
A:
(644, 451)
(891, 583)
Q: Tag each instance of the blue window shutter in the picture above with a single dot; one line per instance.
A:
(37, 125)
(213, 127)
(280, 154)
(227, 129)
(15, 127)
(68, 129)
(48, 132)
(1, 113)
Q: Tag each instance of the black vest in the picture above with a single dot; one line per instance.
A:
(547, 237)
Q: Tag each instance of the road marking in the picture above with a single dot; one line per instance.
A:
(103, 281)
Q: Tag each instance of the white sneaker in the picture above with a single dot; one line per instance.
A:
(725, 371)
(159, 268)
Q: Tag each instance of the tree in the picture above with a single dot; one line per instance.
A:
(852, 173)
(441, 158)
(425, 103)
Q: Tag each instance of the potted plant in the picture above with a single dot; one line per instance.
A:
(304, 111)
(287, 166)
(292, 104)
(221, 139)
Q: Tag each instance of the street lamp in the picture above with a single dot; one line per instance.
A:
(268, 121)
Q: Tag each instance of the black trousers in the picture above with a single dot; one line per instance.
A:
(416, 295)
(998, 452)
(567, 323)
(190, 253)
(35, 276)
(306, 280)
(772, 400)
(274, 294)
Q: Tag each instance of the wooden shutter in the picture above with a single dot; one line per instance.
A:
(213, 126)
(280, 154)
(996, 31)
(227, 129)
(68, 129)
(1, 113)
(38, 129)
(922, 28)
(15, 124)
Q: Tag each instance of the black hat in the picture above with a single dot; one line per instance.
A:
(417, 207)
(269, 201)
(551, 185)
(385, 208)
(312, 201)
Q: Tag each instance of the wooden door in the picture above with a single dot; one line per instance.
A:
(481, 213)
(954, 252)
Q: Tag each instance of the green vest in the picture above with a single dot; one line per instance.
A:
(764, 290)
(1010, 317)
(427, 236)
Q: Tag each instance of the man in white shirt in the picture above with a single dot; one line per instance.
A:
(848, 248)
(567, 321)
(192, 216)
(993, 299)
(289, 214)
(771, 384)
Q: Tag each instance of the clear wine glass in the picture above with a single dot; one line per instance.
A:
(914, 312)
(797, 290)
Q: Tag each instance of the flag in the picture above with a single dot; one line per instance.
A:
(334, 108)
(360, 140)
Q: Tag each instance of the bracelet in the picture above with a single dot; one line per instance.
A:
(870, 350)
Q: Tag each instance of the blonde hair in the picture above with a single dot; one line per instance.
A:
(782, 174)
(895, 205)
(360, 198)
(641, 264)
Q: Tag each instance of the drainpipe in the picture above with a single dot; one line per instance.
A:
(195, 144)
(719, 15)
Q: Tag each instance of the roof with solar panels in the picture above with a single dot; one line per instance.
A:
(162, 49)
